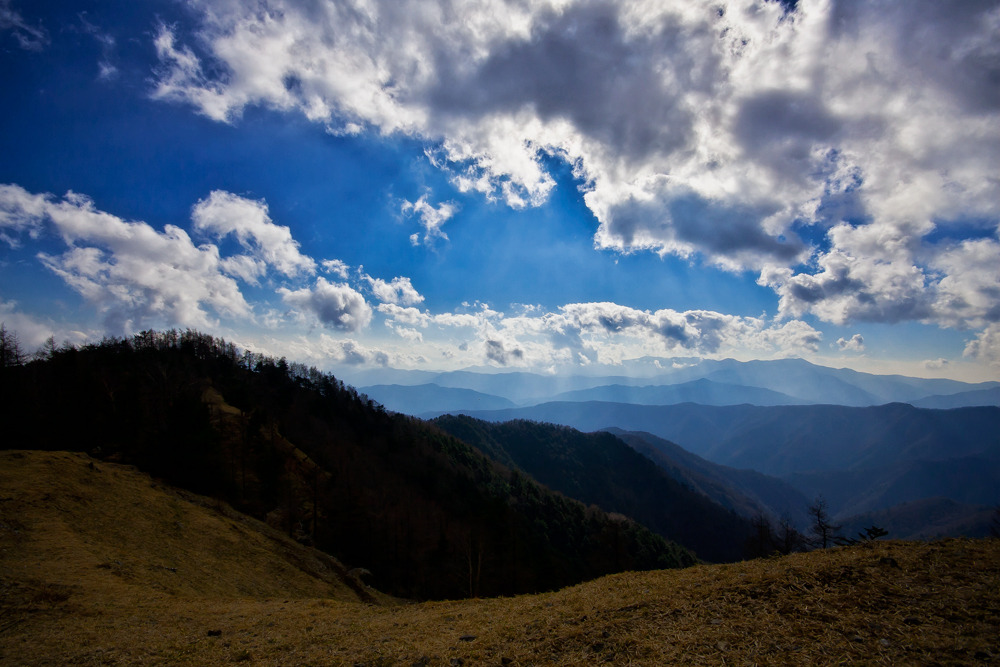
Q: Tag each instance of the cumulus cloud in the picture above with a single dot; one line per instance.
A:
(352, 353)
(138, 276)
(885, 273)
(604, 332)
(696, 331)
(985, 347)
(223, 213)
(32, 331)
(787, 142)
(336, 267)
(431, 219)
(335, 305)
(398, 291)
(322, 350)
(135, 275)
(855, 343)
(20, 211)
(936, 364)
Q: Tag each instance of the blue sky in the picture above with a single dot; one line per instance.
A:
(560, 186)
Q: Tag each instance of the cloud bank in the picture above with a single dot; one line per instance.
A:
(846, 152)
(137, 277)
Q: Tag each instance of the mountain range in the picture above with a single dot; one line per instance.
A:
(860, 459)
(707, 382)
(866, 443)
(600, 468)
(469, 505)
(422, 398)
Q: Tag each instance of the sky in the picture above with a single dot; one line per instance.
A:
(557, 186)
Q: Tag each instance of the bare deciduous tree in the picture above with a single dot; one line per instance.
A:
(824, 531)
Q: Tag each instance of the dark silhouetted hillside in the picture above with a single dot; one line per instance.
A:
(779, 440)
(599, 468)
(430, 516)
(861, 459)
(746, 492)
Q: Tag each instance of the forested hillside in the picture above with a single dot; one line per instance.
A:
(428, 515)
(601, 469)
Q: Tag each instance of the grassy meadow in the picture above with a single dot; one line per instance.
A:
(100, 564)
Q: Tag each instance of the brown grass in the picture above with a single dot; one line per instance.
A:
(78, 586)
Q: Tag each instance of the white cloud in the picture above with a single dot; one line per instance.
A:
(431, 219)
(32, 331)
(968, 294)
(351, 352)
(936, 364)
(335, 305)
(182, 79)
(223, 213)
(336, 267)
(407, 333)
(585, 333)
(106, 69)
(887, 273)
(985, 347)
(408, 317)
(855, 343)
(696, 331)
(399, 290)
(323, 350)
(135, 275)
(20, 211)
(718, 130)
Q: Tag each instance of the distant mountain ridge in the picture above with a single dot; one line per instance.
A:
(779, 440)
(417, 399)
(963, 399)
(702, 391)
(926, 519)
(746, 492)
(774, 382)
(863, 459)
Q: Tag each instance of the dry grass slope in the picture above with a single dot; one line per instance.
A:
(105, 532)
(102, 568)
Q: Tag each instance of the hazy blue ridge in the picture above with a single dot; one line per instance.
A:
(963, 399)
(417, 399)
(925, 519)
(773, 382)
(860, 459)
(747, 492)
(703, 391)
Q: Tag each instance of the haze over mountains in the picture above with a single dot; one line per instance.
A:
(707, 382)
(866, 443)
